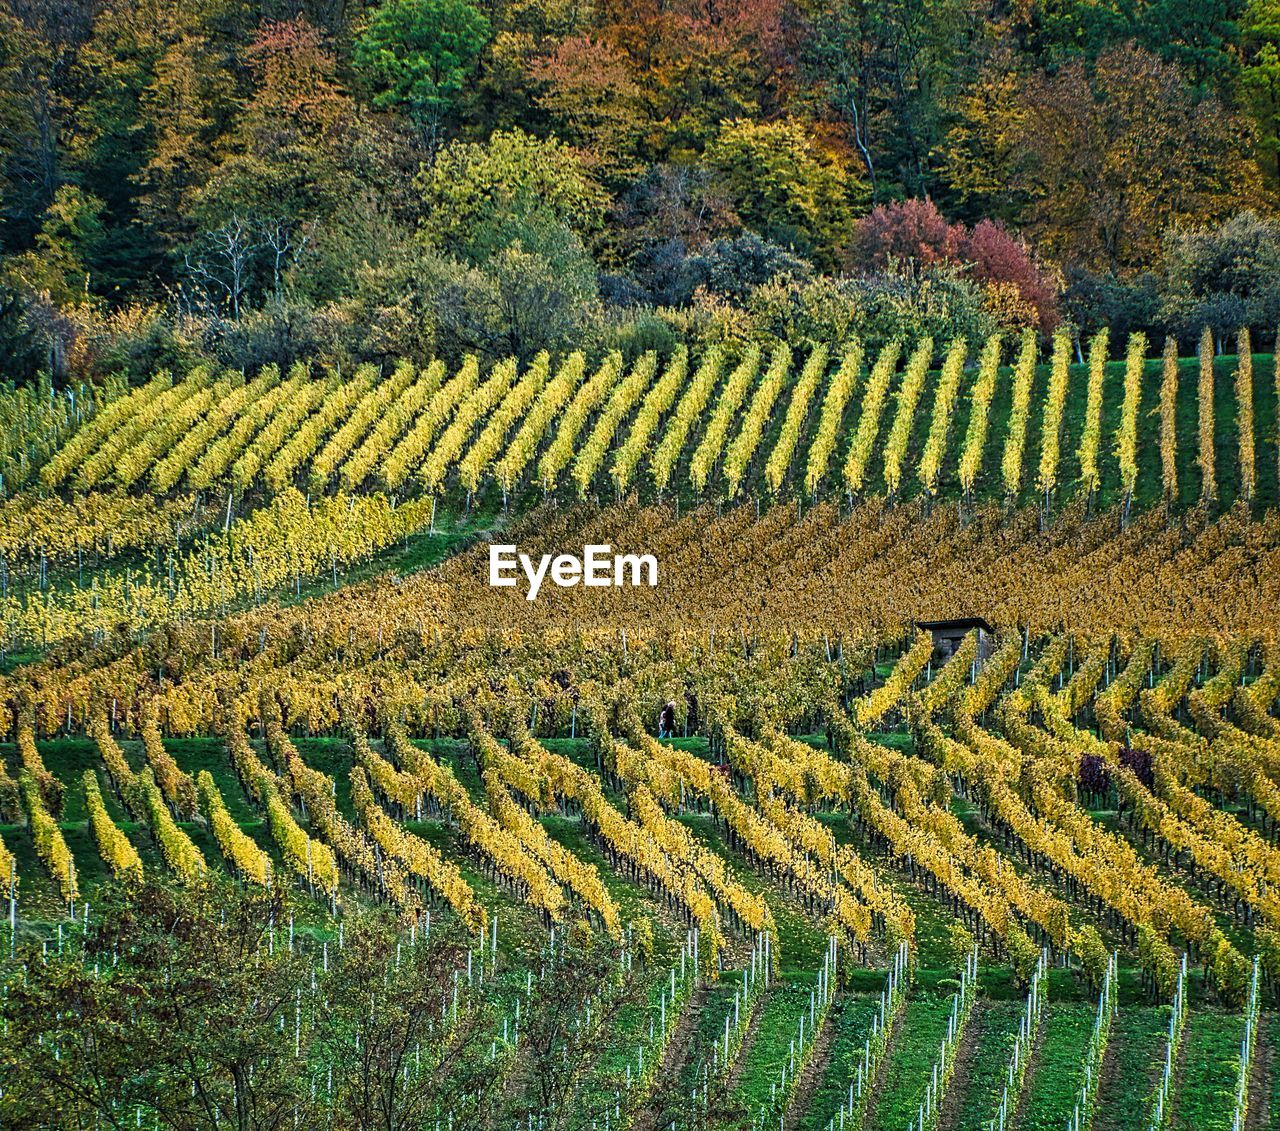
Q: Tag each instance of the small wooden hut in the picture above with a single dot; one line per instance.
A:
(948, 635)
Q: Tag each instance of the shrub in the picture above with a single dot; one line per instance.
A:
(1093, 301)
(912, 238)
(733, 268)
(1224, 277)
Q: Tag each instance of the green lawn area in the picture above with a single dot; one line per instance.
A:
(763, 1059)
(850, 1021)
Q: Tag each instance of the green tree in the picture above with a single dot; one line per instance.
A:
(1223, 277)
(68, 246)
(1201, 36)
(478, 197)
(786, 188)
(188, 1023)
(890, 72)
(539, 291)
(405, 1062)
(32, 115)
(112, 131)
(1260, 82)
(202, 1006)
(419, 53)
(575, 1048)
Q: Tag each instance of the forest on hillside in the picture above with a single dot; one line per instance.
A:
(254, 181)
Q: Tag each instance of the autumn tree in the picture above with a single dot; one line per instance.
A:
(282, 158)
(595, 98)
(703, 62)
(189, 103)
(1100, 165)
(913, 237)
(913, 233)
(294, 166)
(507, 268)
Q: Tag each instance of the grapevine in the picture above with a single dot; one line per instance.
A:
(1055, 402)
(245, 858)
(984, 388)
(514, 405)
(779, 463)
(737, 458)
(1169, 420)
(412, 447)
(116, 850)
(625, 396)
(935, 445)
(586, 397)
(687, 413)
(1244, 415)
(50, 845)
(656, 404)
(470, 412)
(895, 449)
(833, 406)
(1127, 433)
(873, 398)
(732, 395)
(520, 452)
(1206, 458)
(1091, 435)
(1024, 373)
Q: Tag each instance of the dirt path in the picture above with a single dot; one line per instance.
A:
(873, 1085)
(1264, 1054)
(812, 1075)
(662, 1104)
(748, 1039)
(1107, 1114)
(1033, 1066)
(953, 1101)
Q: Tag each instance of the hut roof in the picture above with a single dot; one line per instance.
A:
(958, 624)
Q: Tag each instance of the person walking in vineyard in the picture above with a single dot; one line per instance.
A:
(667, 720)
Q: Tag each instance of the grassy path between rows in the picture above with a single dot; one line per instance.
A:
(1204, 1092)
(907, 1066)
(975, 1089)
(1057, 1067)
(1131, 1068)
